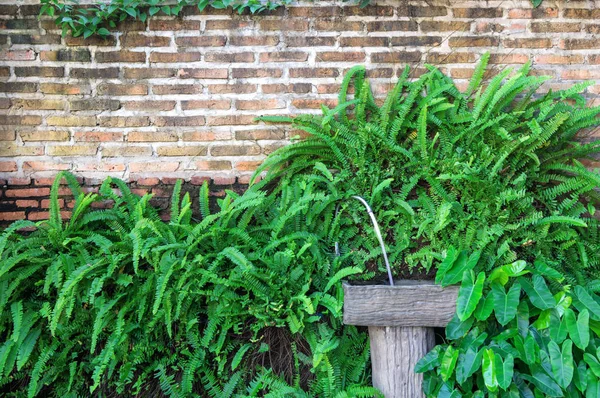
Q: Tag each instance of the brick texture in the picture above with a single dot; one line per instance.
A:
(177, 97)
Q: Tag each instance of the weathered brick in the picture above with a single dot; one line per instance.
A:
(149, 105)
(390, 26)
(42, 71)
(213, 165)
(8, 135)
(371, 41)
(11, 150)
(283, 56)
(445, 26)
(314, 72)
(4, 71)
(310, 41)
(231, 120)
(555, 27)
(370, 10)
(582, 13)
(580, 74)
(339, 56)
(64, 55)
(174, 89)
(17, 87)
(201, 41)
(141, 40)
(259, 104)
(229, 57)
(178, 121)
(510, 58)
(228, 24)
(18, 24)
(96, 40)
(95, 104)
(5, 103)
(206, 104)
(123, 121)
(120, 56)
(174, 24)
(474, 41)
(472, 13)
(558, 59)
(241, 73)
(149, 73)
(312, 103)
(236, 88)
(9, 9)
(20, 120)
(114, 151)
(17, 55)
(296, 88)
(151, 136)
(188, 150)
(579, 44)
(64, 89)
(175, 57)
(38, 104)
(204, 136)
(416, 41)
(189, 73)
(72, 150)
(396, 57)
(8, 166)
(32, 165)
(94, 73)
(260, 134)
(235, 150)
(262, 41)
(71, 121)
(153, 167)
(98, 136)
(527, 43)
(451, 58)
(285, 25)
(315, 12)
(247, 165)
(122, 89)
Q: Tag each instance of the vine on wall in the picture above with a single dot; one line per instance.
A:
(101, 18)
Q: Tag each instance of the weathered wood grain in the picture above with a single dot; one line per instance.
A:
(409, 303)
(394, 353)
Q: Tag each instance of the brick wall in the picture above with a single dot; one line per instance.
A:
(176, 97)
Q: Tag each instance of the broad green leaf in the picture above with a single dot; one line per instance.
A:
(543, 382)
(490, 374)
(505, 304)
(558, 327)
(485, 307)
(446, 264)
(448, 363)
(469, 294)
(430, 383)
(532, 350)
(546, 270)
(580, 376)
(593, 363)
(468, 363)
(543, 321)
(562, 362)
(588, 302)
(457, 328)
(579, 328)
(462, 264)
(523, 318)
(430, 361)
(448, 392)
(538, 292)
(504, 370)
(593, 386)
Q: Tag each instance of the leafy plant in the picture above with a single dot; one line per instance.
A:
(494, 170)
(116, 301)
(525, 334)
(99, 18)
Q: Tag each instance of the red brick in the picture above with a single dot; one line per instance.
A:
(213, 165)
(233, 120)
(188, 73)
(19, 181)
(230, 57)
(12, 215)
(559, 59)
(170, 89)
(8, 166)
(228, 24)
(45, 166)
(259, 104)
(315, 12)
(27, 192)
(396, 57)
(149, 73)
(390, 26)
(314, 72)
(236, 88)
(152, 167)
(140, 40)
(335, 56)
(241, 73)
(474, 41)
(17, 55)
(262, 41)
(120, 56)
(201, 41)
(46, 203)
(29, 203)
(122, 89)
(555, 27)
(175, 57)
(310, 41)
(284, 56)
(206, 104)
(527, 43)
(297, 25)
(235, 150)
(162, 121)
(174, 24)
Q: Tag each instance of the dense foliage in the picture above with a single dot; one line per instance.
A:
(99, 18)
(493, 170)
(117, 301)
(542, 341)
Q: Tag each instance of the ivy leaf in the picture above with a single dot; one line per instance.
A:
(153, 10)
(490, 374)
(579, 328)
(536, 3)
(469, 294)
(538, 293)
(562, 362)
(505, 304)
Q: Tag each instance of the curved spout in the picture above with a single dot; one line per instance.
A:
(379, 237)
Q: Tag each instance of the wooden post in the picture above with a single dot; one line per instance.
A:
(401, 319)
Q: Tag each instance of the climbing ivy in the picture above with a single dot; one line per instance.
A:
(100, 18)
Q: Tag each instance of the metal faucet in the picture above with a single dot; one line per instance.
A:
(379, 237)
